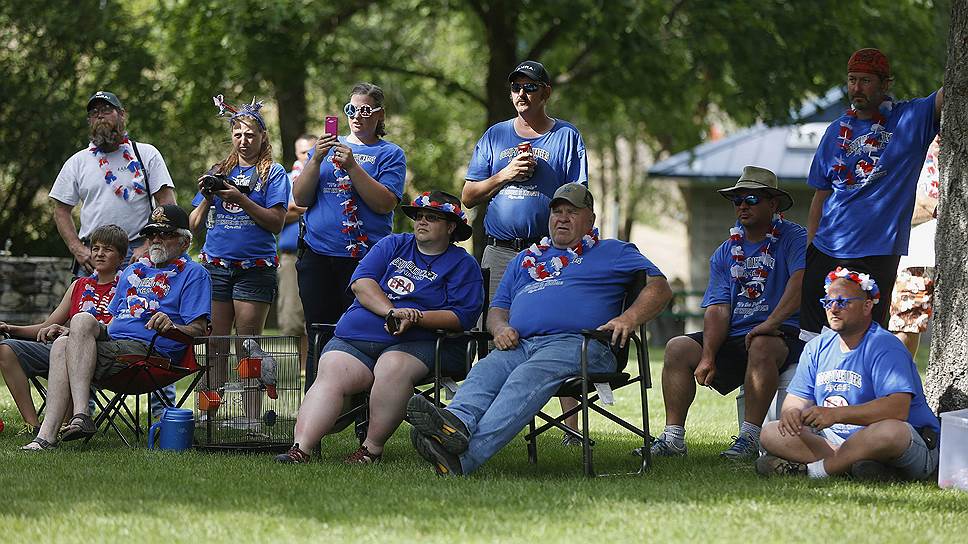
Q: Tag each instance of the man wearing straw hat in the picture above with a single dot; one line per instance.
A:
(751, 324)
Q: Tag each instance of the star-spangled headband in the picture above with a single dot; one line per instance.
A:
(865, 281)
(232, 112)
(424, 201)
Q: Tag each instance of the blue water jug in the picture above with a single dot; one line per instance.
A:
(173, 431)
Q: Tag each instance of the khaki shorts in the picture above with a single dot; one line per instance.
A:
(108, 351)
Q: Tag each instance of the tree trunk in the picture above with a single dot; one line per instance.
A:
(291, 100)
(946, 383)
(499, 19)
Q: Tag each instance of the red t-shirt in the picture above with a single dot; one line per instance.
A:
(98, 300)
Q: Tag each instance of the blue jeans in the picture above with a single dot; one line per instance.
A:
(507, 388)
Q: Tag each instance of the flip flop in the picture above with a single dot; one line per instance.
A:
(81, 426)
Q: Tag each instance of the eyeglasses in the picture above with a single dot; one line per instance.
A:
(751, 200)
(838, 303)
(363, 110)
(103, 109)
(526, 87)
(428, 217)
(164, 235)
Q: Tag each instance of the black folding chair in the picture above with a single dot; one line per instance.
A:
(578, 387)
(358, 412)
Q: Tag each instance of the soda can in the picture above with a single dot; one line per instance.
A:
(524, 147)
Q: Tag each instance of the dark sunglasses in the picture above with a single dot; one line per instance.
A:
(751, 200)
(164, 235)
(838, 303)
(527, 87)
(428, 217)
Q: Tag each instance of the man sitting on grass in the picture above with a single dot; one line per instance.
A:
(162, 292)
(548, 294)
(856, 403)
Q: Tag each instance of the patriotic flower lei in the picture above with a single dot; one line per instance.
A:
(865, 281)
(424, 202)
(121, 190)
(752, 285)
(97, 305)
(243, 264)
(161, 286)
(846, 176)
(352, 225)
(553, 267)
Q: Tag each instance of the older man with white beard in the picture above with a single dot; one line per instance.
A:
(113, 179)
(159, 293)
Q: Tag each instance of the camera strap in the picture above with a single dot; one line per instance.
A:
(144, 168)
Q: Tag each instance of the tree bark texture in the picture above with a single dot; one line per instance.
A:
(946, 383)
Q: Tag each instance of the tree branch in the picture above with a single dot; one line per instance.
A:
(450, 84)
(477, 8)
(547, 39)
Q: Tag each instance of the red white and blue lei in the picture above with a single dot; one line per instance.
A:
(352, 224)
(865, 281)
(94, 304)
(552, 267)
(753, 284)
(138, 306)
(120, 189)
(243, 264)
(848, 178)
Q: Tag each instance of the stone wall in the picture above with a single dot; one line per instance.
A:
(31, 287)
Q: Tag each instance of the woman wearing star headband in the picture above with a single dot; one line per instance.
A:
(350, 185)
(242, 207)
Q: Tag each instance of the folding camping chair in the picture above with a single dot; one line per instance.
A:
(145, 375)
(358, 412)
(578, 388)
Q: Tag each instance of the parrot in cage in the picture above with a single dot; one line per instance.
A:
(268, 377)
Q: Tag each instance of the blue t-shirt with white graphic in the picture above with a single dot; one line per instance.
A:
(789, 255)
(883, 166)
(520, 209)
(235, 235)
(183, 293)
(879, 366)
(383, 161)
(586, 294)
(449, 281)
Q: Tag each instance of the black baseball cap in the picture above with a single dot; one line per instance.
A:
(533, 69)
(166, 218)
(106, 96)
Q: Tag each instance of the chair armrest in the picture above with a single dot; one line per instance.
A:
(179, 336)
(602, 336)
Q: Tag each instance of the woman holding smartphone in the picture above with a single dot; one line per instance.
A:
(350, 185)
(407, 287)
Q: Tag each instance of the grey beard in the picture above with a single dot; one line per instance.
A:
(106, 137)
(158, 254)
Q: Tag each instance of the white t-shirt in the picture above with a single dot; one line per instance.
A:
(82, 179)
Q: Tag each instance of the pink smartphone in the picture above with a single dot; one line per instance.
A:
(332, 125)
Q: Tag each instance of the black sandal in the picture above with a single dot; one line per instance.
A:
(43, 445)
(81, 426)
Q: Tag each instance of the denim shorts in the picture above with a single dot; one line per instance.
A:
(452, 356)
(34, 357)
(918, 462)
(256, 284)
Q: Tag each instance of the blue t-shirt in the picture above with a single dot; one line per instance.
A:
(520, 209)
(384, 162)
(586, 294)
(289, 237)
(789, 254)
(237, 237)
(449, 281)
(183, 293)
(879, 366)
(884, 167)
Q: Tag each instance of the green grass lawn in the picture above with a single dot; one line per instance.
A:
(106, 492)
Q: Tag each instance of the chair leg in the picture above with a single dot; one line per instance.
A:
(585, 443)
(532, 444)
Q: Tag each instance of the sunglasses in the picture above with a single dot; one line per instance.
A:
(164, 235)
(838, 303)
(750, 200)
(428, 217)
(526, 87)
(363, 110)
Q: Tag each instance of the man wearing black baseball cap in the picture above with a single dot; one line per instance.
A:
(114, 177)
(516, 168)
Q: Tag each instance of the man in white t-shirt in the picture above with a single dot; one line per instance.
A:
(112, 179)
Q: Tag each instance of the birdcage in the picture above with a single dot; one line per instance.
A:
(250, 395)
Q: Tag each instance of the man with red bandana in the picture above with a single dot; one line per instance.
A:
(866, 166)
